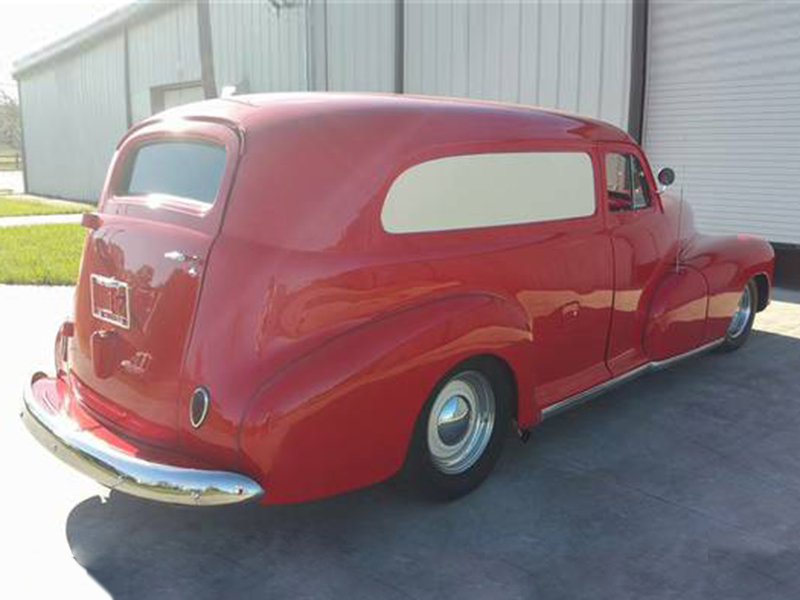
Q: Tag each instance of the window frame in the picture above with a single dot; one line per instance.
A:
(169, 209)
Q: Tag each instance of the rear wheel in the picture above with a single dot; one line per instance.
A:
(742, 320)
(460, 432)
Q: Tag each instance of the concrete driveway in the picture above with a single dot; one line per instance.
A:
(12, 180)
(39, 220)
(684, 484)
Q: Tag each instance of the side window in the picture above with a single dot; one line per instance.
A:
(487, 190)
(626, 183)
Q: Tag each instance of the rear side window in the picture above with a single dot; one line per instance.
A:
(485, 190)
(191, 170)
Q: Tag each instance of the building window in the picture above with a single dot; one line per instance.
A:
(163, 97)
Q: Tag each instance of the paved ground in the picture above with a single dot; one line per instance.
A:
(684, 484)
(39, 220)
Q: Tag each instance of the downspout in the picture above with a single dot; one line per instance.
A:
(22, 138)
(399, 46)
(127, 76)
(638, 69)
(317, 45)
(206, 50)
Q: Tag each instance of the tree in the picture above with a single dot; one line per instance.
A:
(10, 124)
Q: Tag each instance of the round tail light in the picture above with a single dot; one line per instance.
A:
(198, 407)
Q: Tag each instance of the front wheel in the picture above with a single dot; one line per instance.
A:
(742, 320)
(461, 430)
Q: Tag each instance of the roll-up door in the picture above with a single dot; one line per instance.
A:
(723, 109)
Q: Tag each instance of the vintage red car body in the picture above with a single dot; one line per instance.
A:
(319, 335)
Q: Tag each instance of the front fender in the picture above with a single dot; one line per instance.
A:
(676, 322)
(341, 417)
(727, 263)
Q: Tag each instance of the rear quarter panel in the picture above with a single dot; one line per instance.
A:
(341, 417)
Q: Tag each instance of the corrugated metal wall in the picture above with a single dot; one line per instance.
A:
(723, 109)
(163, 50)
(567, 54)
(258, 47)
(361, 48)
(73, 112)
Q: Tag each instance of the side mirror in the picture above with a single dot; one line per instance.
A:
(666, 177)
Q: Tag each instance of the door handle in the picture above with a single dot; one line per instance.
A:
(181, 257)
(570, 311)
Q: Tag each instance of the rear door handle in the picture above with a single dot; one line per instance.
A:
(183, 258)
(570, 311)
(180, 257)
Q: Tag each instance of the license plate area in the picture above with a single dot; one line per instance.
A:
(111, 301)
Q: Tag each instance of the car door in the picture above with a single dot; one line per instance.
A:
(568, 275)
(641, 242)
(142, 272)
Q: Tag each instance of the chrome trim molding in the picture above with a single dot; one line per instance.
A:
(586, 395)
(657, 365)
(128, 474)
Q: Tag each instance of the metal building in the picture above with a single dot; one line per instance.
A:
(80, 94)
(710, 88)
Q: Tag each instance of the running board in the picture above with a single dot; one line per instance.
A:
(658, 365)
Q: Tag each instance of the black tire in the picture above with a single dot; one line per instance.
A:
(735, 340)
(421, 472)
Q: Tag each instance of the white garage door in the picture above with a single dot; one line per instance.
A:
(723, 109)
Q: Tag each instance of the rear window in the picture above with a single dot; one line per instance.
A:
(191, 170)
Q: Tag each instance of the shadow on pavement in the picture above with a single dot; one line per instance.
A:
(685, 483)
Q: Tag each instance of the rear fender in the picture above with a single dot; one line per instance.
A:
(342, 416)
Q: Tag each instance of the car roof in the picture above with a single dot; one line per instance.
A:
(471, 117)
(539, 123)
(325, 160)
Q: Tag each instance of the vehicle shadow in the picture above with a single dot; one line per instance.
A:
(685, 483)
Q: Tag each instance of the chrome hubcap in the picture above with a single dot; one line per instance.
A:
(741, 317)
(461, 422)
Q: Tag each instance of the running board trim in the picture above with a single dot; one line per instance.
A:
(657, 365)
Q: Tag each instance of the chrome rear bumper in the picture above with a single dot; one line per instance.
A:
(126, 473)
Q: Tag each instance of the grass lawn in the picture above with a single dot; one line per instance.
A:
(41, 254)
(17, 206)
